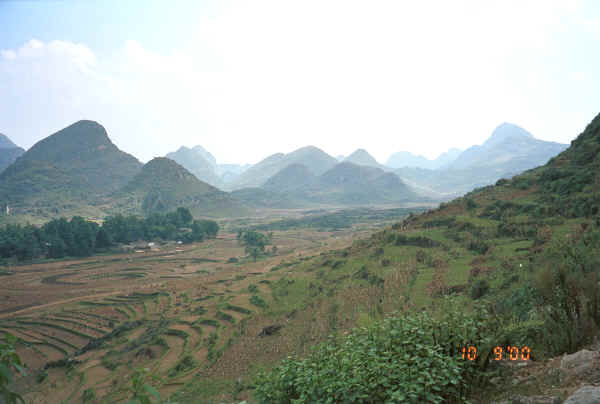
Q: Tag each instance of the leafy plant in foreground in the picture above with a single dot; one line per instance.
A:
(9, 360)
(143, 393)
(404, 359)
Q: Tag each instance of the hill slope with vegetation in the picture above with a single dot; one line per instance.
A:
(525, 251)
(164, 185)
(75, 166)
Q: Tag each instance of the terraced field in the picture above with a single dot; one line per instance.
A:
(85, 325)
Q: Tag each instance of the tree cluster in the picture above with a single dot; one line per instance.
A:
(79, 237)
(255, 242)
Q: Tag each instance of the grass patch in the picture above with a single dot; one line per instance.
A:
(238, 309)
(224, 316)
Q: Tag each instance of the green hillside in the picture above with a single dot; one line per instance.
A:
(163, 185)
(73, 167)
(513, 264)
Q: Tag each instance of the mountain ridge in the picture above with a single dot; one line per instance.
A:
(315, 159)
(9, 152)
(403, 159)
(76, 164)
(194, 160)
(163, 185)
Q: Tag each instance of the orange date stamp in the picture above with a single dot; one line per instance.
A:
(500, 353)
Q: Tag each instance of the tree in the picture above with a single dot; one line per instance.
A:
(254, 239)
(185, 217)
(254, 252)
(56, 247)
(103, 239)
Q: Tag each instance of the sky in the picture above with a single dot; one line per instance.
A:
(249, 79)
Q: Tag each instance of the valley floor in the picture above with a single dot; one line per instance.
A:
(174, 310)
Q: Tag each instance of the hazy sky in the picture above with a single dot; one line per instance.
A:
(250, 78)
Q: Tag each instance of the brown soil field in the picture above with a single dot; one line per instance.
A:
(152, 309)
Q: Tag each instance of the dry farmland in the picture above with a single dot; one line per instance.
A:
(175, 310)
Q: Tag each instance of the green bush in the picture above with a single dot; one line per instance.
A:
(478, 246)
(257, 301)
(224, 316)
(479, 289)
(185, 364)
(89, 395)
(9, 360)
(471, 204)
(408, 359)
(238, 309)
(567, 287)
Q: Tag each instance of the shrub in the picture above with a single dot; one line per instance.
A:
(408, 359)
(478, 246)
(257, 301)
(143, 391)
(224, 316)
(567, 286)
(238, 309)
(479, 289)
(89, 395)
(9, 360)
(185, 364)
(471, 204)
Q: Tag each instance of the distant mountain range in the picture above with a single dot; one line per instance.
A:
(8, 152)
(78, 170)
(510, 150)
(199, 162)
(315, 160)
(203, 165)
(363, 158)
(407, 159)
(344, 184)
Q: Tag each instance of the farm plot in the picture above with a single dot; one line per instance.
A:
(111, 314)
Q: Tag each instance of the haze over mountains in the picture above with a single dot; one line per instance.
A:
(315, 159)
(204, 166)
(407, 159)
(78, 169)
(346, 183)
(8, 152)
(363, 158)
(508, 151)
